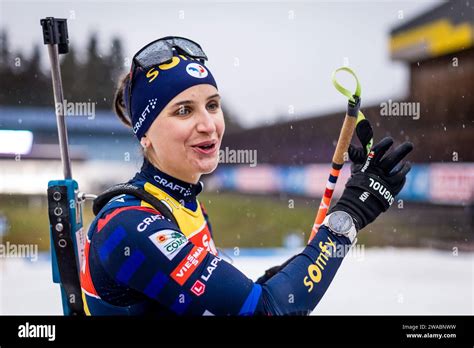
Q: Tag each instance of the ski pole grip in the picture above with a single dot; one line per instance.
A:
(350, 121)
(55, 33)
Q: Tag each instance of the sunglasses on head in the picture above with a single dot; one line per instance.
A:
(160, 52)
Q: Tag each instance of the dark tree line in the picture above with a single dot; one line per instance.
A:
(94, 79)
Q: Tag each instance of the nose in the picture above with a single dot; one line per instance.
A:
(205, 122)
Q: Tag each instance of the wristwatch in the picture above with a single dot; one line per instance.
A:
(341, 224)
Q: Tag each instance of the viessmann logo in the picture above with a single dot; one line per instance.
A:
(187, 267)
(315, 270)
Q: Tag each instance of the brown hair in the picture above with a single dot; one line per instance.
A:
(119, 103)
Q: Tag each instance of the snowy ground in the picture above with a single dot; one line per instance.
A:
(378, 281)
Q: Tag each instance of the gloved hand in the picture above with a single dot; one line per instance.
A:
(376, 178)
(357, 155)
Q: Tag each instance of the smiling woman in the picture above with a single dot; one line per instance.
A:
(159, 258)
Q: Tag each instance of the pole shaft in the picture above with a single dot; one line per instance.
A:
(59, 108)
(342, 145)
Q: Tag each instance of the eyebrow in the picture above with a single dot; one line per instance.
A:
(186, 102)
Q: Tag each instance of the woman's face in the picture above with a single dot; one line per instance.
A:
(186, 136)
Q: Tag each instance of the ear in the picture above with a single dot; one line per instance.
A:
(144, 142)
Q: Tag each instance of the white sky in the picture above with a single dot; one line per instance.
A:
(286, 51)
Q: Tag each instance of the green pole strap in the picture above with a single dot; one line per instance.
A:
(350, 96)
(341, 89)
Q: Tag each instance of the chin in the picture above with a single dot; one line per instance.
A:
(207, 166)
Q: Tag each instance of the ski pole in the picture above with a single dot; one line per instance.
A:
(342, 146)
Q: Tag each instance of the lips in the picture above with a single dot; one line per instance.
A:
(206, 147)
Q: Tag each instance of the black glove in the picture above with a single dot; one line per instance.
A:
(375, 182)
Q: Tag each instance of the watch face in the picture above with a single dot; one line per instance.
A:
(340, 222)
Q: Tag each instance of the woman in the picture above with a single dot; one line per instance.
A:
(138, 262)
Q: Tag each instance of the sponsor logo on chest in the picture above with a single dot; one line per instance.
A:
(169, 242)
(204, 239)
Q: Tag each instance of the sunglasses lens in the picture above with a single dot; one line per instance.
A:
(155, 54)
(161, 51)
(189, 48)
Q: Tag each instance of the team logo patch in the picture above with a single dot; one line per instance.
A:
(169, 242)
(196, 70)
(198, 288)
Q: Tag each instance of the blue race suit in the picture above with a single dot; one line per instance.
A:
(137, 262)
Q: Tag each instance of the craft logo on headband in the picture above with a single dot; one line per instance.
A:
(161, 84)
